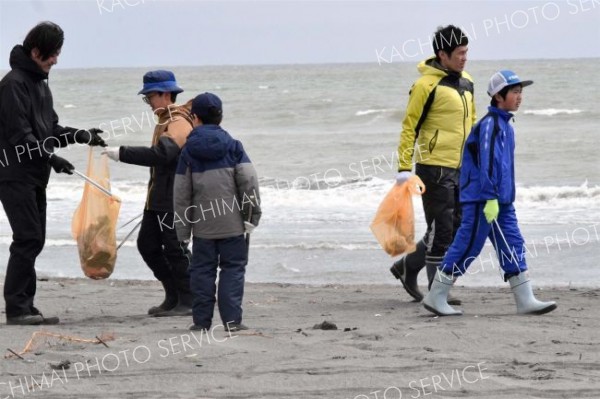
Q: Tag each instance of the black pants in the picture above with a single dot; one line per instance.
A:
(441, 207)
(25, 208)
(163, 253)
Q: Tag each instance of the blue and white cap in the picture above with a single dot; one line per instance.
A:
(504, 78)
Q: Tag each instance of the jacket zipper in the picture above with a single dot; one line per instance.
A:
(465, 116)
(150, 188)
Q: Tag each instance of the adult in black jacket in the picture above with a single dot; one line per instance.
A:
(29, 132)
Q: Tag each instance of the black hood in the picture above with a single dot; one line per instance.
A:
(434, 63)
(19, 59)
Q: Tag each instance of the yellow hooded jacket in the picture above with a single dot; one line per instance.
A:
(441, 132)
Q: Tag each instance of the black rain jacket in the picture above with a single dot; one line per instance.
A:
(29, 129)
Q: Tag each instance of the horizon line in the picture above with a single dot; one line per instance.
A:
(375, 62)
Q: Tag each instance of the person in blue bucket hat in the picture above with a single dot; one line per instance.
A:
(160, 82)
(157, 241)
(487, 182)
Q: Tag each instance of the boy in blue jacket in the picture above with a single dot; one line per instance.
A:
(487, 194)
(216, 200)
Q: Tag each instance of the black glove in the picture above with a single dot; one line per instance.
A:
(90, 137)
(60, 165)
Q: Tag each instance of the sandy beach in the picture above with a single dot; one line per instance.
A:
(384, 347)
(333, 103)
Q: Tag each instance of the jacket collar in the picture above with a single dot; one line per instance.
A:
(500, 112)
(19, 59)
(433, 63)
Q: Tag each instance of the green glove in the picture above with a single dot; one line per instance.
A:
(490, 210)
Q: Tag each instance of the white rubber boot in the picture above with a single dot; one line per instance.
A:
(436, 301)
(526, 302)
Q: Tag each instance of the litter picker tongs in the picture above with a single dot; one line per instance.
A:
(132, 230)
(97, 185)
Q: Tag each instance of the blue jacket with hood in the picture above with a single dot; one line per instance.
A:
(216, 186)
(488, 169)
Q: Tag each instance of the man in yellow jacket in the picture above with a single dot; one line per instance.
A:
(438, 119)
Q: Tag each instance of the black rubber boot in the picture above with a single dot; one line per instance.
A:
(171, 298)
(407, 269)
(183, 306)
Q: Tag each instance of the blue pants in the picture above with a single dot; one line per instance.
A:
(231, 256)
(473, 232)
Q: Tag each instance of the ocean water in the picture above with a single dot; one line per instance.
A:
(323, 139)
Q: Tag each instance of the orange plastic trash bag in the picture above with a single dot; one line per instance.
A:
(394, 222)
(95, 222)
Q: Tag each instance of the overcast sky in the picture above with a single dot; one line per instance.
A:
(120, 33)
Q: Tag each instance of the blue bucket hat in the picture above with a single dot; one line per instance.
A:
(504, 78)
(161, 81)
(206, 104)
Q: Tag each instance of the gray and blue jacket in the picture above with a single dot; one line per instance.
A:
(215, 188)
